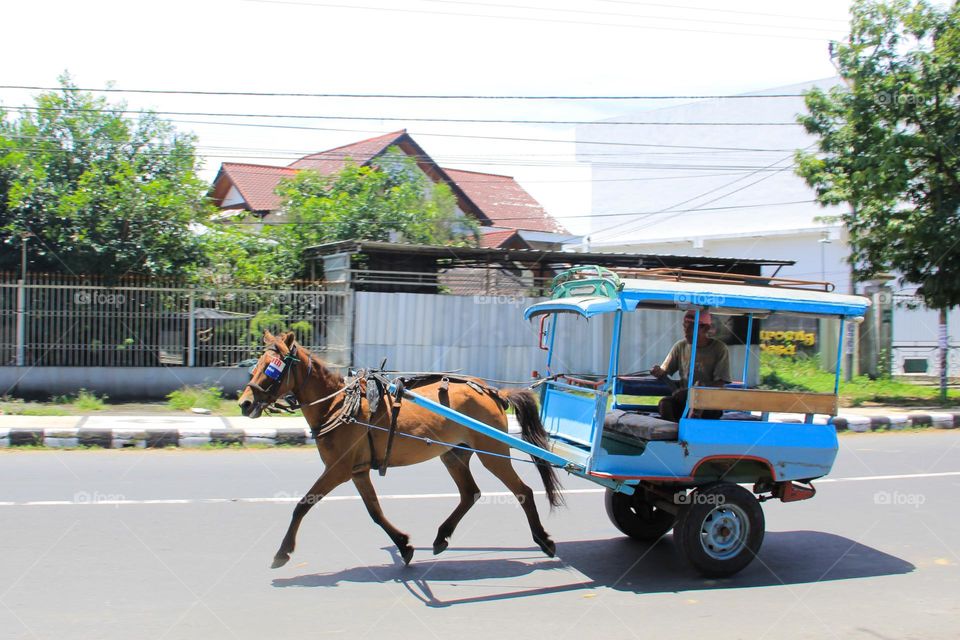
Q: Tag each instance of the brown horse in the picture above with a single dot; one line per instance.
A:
(350, 450)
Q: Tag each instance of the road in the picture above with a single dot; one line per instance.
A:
(177, 544)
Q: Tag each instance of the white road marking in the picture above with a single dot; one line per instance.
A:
(282, 499)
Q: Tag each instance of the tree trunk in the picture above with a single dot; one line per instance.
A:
(944, 353)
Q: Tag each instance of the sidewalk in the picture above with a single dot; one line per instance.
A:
(117, 432)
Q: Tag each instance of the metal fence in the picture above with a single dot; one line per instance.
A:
(77, 324)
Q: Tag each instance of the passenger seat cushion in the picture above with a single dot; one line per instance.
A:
(640, 426)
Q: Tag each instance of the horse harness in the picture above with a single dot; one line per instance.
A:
(373, 385)
(275, 371)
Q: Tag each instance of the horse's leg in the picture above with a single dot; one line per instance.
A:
(457, 462)
(362, 481)
(332, 478)
(503, 470)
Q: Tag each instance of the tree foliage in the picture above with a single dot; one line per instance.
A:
(889, 142)
(100, 192)
(393, 201)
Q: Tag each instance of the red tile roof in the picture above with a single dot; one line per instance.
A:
(257, 183)
(333, 160)
(494, 199)
(494, 239)
(504, 201)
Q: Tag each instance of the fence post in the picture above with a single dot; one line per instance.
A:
(21, 323)
(191, 332)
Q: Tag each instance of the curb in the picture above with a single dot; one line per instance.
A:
(229, 435)
(930, 419)
(68, 438)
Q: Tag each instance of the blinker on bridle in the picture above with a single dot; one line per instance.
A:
(275, 372)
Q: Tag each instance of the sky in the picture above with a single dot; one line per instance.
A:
(415, 48)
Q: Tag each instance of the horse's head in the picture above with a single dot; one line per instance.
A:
(273, 376)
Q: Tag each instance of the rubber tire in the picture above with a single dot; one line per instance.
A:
(635, 518)
(686, 533)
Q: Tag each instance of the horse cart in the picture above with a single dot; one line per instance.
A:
(704, 476)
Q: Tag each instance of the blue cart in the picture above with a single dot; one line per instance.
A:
(687, 475)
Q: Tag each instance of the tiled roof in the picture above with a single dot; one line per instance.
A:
(494, 239)
(494, 199)
(257, 183)
(504, 201)
(333, 160)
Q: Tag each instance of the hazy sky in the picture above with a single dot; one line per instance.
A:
(416, 47)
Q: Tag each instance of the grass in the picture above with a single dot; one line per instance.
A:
(65, 405)
(187, 398)
(88, 401)
(804, 374)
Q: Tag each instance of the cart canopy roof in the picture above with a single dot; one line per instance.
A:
(718, 297)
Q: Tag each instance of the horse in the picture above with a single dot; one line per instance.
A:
(349, 448)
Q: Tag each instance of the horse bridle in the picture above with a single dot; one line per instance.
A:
(289, 361)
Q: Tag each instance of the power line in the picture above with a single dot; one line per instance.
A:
(618, 14)
(406, 119)
(425, 134)
(516, 18)
(750, 13)
(585, 215)
(632, 226)
(401, 96)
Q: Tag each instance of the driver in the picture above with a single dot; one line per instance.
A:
(712, 366)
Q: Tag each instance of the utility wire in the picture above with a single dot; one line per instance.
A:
(541, 20)
(585, 215)
(749, 13)
(620, 14)
(400, 96)
(404, 119)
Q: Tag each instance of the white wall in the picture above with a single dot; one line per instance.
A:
(487, 336)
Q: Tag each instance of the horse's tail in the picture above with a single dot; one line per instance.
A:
(524, 403)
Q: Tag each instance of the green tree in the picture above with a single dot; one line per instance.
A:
(102, 193)
(391, 201)
(888, 144)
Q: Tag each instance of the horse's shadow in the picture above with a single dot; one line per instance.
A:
(786, 558)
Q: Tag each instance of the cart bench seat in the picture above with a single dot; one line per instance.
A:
(639, 426)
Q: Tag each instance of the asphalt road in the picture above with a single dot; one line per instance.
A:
(177, 544)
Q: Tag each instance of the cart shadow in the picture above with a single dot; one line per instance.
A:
(786, 558)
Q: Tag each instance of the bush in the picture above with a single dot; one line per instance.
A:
(186, 398)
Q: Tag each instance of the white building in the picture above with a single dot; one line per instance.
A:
(716, 178)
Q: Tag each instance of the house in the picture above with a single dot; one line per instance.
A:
(673, 180)
(508, 215)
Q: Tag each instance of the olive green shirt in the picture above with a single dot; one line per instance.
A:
(712, 367)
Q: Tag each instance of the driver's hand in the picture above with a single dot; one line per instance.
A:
(657, 371)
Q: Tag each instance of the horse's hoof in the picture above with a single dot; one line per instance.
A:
(440, 546)
(547, 546)
(407, 554)
(279, 560)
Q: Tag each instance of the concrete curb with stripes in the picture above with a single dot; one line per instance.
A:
(72, 432)
(115, 432)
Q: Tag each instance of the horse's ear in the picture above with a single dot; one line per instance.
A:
(267, 337)
(288, 339)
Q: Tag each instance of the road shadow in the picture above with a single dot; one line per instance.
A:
(786, 558)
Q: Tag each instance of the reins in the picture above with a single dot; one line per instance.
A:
(352, 390)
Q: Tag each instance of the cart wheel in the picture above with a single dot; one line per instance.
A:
(637, 518)
(720, 530)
